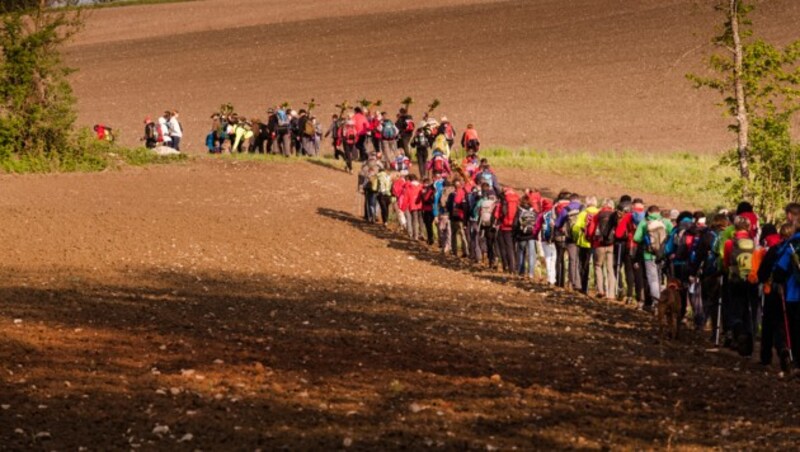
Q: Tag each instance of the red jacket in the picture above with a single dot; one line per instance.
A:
(374, 125)
(362, 125)
(428, 197)
(412, 195)
(459, 198)
(560, 205)
(469, 135)
(510, 205)
(398, 188)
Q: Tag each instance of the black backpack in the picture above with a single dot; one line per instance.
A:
(150, 132)
(527, 220)
(606, 226)
(684, 243)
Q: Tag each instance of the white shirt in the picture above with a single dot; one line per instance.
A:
(175, 127)
(162, 123)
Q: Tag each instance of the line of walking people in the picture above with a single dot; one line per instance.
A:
(735, 274)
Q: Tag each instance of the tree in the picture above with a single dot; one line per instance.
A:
(36, 102)
(759, 84)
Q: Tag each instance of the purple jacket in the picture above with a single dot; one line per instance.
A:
(562, 217)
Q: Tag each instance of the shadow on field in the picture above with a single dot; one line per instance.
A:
(303, 362)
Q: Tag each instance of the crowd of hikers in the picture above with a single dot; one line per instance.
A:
(165, 131)
(738, 279)
(353, 136)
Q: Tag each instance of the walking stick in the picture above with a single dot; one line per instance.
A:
(618, 270)
(786, 324)
(719, 314)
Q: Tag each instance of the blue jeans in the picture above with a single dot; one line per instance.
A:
(526, 248)
(176, 143)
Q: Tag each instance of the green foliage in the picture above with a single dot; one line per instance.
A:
(86, 154)
(771, 81)
(36, 102)
(226, 109)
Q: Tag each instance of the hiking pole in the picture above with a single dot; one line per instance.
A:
(786, 324)
(719, 314)
(619, 269)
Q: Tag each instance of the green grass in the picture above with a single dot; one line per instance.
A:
(697, 180)
(143, 156)
(87, 155)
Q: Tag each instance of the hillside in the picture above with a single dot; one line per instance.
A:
(232, 302)
(583, 74)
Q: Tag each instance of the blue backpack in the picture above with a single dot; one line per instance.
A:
(283, 119)
(389, 130)
(709, 266)
(548, 226)
(210, 142)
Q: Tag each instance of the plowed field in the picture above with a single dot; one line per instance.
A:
(236, 306)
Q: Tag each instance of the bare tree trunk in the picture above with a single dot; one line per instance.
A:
(741, 108)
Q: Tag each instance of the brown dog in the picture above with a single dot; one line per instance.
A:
(669, 310)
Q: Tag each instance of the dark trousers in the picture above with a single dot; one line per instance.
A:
(711, 292)
(490, 235)
(507, 252)
(742, 306)
(370, 207)
(284, 143)
(561, 274)
(350, 154)
(384, 201)
(623, 264)
(773, 328)
(428, 219)
(642, 291)
(681, 272)
(404, 141)
(793, 312)
(585, 260)
(422, 161)
(361, 145)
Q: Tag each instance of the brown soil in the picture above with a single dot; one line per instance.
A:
(551, 74)
(244, 304)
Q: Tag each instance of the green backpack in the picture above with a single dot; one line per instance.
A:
(742, 257)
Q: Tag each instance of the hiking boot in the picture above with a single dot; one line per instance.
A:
(728, 341)
(785, 362)
(745, 345)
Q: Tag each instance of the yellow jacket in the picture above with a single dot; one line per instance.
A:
(579, 228)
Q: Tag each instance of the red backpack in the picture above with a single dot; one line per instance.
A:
(438, 164)
(350, 134)
(448, 131)
(410, 126)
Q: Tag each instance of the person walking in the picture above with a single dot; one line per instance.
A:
(333, 133)
(601, 233)
(175, 130)
(564, 225)
(421, 144)
(506, 213)
(524, 235)
(457, 206)
(582, 236)
(546, 235)
(651, 235)
(406, 127)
